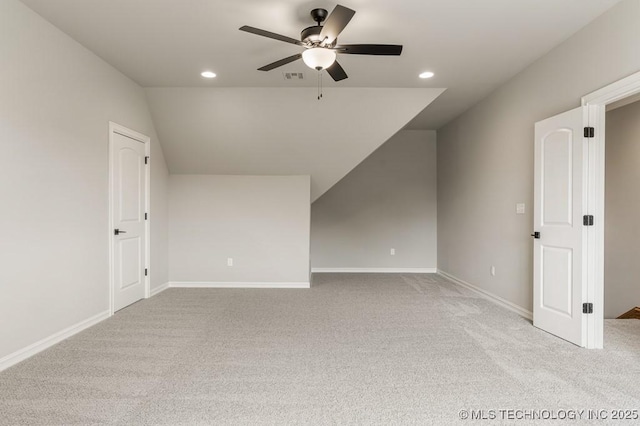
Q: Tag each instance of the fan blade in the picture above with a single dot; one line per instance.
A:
(335, 23)
(369, 49)
(281, 62)
(337, 72)
(269, 34)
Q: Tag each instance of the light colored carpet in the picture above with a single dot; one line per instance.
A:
(354, 349)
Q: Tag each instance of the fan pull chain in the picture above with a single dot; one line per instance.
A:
(319, 83)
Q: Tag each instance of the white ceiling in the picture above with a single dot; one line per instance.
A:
(473, 46)
(279, 131)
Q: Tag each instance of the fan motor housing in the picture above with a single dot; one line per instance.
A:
(311, 35)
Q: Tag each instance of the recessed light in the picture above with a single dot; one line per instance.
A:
(208, 74)
(426, 74)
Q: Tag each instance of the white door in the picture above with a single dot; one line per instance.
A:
(128, 204)
(560, 203)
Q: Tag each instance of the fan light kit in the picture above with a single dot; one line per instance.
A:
(319, 58)
(208, 74)
(321, 44)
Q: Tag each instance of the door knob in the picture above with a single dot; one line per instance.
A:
(118, 232)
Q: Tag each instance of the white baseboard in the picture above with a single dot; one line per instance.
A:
(374, 270)
(194, 284)
(488, 295)
(47, 342)
(159, 289)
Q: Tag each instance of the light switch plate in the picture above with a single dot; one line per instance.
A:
(520, 208)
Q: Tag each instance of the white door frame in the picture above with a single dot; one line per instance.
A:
(124, 131)
(597, 102)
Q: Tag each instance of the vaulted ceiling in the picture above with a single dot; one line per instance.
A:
(473, 46)
(252, 122)
(279, 131)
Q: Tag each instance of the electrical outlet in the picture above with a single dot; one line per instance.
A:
(229, 261)
(393, 252)
(520, 208)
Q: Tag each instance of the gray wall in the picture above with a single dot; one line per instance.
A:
(262, 222)
(485, 157)
(387, 201)
(622, 204)
(56, 103)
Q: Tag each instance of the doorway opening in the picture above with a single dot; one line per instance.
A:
(622, 92)
(622, 233)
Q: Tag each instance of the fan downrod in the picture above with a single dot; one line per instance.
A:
(319, 15)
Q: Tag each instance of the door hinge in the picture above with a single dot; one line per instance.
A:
(146, 216)
(589, 132)
(146, 272)
(587, 220)
(587, 308)
(146, 160)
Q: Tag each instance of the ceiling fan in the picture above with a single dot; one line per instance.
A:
(321, 43)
